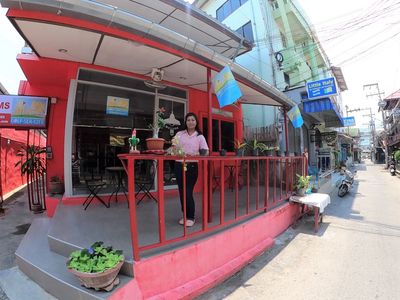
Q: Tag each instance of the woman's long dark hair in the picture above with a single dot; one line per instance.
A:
(197, 128)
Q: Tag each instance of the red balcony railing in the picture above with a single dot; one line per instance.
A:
(231, 189)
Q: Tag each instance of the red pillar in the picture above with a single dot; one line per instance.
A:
(209, 93)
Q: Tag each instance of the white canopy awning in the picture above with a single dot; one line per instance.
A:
(87, 45)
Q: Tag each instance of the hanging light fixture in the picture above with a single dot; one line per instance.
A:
(172, 120)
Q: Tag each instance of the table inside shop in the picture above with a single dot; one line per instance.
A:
(317, 200)
(118, 184)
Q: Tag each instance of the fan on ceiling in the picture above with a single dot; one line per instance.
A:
(156, 78)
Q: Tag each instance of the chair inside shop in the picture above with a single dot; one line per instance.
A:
(145, 172)
(95, 184)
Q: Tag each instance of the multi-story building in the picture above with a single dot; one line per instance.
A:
(392, 106)
(287, 54)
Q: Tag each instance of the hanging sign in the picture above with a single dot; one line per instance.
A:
(295, 116)
(23, 111)
(117, 106)
(226, 88)
(349, 121)
(321, 88)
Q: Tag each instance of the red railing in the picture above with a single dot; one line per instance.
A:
(251, 185)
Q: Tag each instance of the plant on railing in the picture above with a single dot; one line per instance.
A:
(256, 147)
(302, 184)
(97, 266)
(240, 147)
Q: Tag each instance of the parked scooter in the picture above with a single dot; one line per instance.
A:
(346, 182)
(392, 167)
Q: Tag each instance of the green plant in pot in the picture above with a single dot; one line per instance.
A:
(156, 143)
(32, 164)
(56, 185)
(257, 147)
(97, 266)
(240, 147)
(302, 184)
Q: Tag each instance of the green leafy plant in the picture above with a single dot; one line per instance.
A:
(397, 155)
(302, 181)
(240, 145)
(255, 145)
(94, 259)
(159, 122)
(32, 160)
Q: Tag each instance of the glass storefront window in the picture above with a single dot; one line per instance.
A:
(101, 129)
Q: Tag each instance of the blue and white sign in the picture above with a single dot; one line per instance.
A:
(321, 88)
(349, 121)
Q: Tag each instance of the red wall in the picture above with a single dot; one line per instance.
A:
(10, 143)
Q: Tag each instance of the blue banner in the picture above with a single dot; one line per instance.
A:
(295, 116)
(226, 88)
(321, 88)
(349, 121)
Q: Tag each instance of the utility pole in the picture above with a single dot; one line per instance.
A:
(381, 104)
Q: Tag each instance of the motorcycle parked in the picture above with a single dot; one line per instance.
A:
(392, 167)
(346, 183)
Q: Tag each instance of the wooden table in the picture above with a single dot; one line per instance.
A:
(318, 201)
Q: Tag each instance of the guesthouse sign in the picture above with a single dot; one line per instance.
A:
(321, 88)
(23, 112)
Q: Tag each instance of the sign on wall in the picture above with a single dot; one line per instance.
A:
(321, 88)
(117, 106)
(349, 121)
(23, 111)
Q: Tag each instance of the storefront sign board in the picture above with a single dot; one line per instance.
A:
(321, 88)
(23, 111)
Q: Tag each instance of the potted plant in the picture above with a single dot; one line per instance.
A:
(32, 164)
(56, 185)
(156, 143)
(269, 151)
(302, 184)
(240, 147)
(97, 266)
(257, 147)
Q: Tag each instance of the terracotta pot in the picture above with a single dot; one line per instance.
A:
(104, 280)
(155, 143)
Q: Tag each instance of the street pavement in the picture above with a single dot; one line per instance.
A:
(14, 223)
(355, 255)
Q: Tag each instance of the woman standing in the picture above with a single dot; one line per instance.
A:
(192, 142)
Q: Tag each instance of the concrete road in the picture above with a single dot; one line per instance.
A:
(355, 255)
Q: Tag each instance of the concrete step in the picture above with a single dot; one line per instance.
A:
(87, 229)
(48, 269)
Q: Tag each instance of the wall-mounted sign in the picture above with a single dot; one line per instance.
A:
(117, 106)
(23, 111)
(321, 88)
(349, 121)
(221, 112)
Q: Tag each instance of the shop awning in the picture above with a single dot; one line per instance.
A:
(324, 109)
(77, 37)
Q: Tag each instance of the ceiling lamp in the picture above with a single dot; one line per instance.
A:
(172, 120)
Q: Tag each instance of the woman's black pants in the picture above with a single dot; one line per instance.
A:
(191, 178)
